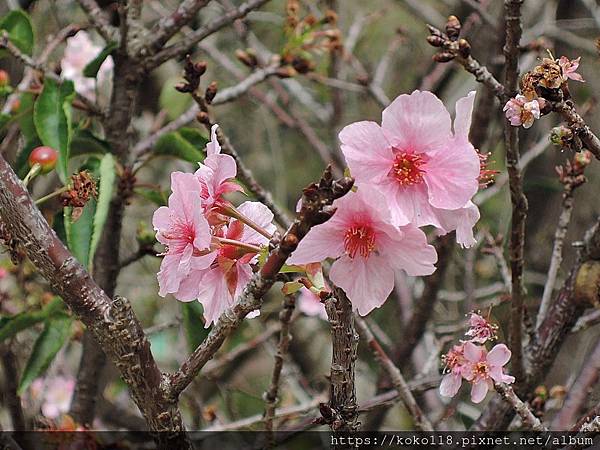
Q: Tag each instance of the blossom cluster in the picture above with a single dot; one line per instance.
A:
(471, 361)
(415, 169)
(525, 108)
(210, 244)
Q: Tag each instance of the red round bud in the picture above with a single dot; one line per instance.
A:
(4, 78)
(16, 105)
(46, 157)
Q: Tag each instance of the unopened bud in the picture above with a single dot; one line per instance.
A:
(4, 78)
(330, 17)
(464, 48)
(443, 57)
(200, 67)
(211, 92)
(582, 159)
(246, 58)
(453, 27)
(286, 72)
(561, 136)
(436, 41)
(203, 118)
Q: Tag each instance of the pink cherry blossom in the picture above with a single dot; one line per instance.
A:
(368, 248)
(310, 304)
(485, 368)
(216, 174)
(455, 364)
(79, 52)
(480, 329)
(184, 231)
(519, 111)
(569, 69)
(3, 273)
(421, 165)
(231, 266)
(56, 393)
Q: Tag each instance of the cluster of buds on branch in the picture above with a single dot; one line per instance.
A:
(449, 43)
(571, 174)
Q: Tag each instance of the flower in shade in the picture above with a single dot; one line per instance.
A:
(480, 329)
(231, 268)
(185, 233)
(79, 52)
(519, 111)
(310, 304)
(216, 176)
(455, 365)
(485, 368)
(422, 166)
(368, 248)
(569, 69)
(56, 392)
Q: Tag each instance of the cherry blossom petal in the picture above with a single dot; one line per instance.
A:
(261, 215)
(214, 295)
(497, 374)
(322, 242)
(161, 219)
(418, 122)
(168, 279)
(367, 151)
(310, 304)
(213, 147)
(367, 281)
(452, 176)
(407, 249)
(499, 355)
(462, 220)
(450, 384)
(479, 391)
(472, 352)
(462, 121)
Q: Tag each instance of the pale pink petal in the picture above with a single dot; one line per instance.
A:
(213, 147)
(310, 304)
(450, 385)
(244, 274)
(322, 242)
(407, 249)
(224, 168)
(462, 121)
(214, 295)
(479, 391)
(462, 220)
(417, 122)
(261, 215)
(161, 218)
(472, 352)
(253, 314)
(452, 176)
(367, 151)
(189, 286)
(367, 281)
(499, 355)
(168, 279)
(409, 204)
(497, 374)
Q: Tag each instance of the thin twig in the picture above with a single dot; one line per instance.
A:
(420, 420)
(521, 408)
(99, 20)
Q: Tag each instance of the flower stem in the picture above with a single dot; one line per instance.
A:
(51, 195)
(33, 172)
(231, 211)
(249, 247)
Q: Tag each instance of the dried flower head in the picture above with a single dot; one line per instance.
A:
(480, 329)
(550, 73)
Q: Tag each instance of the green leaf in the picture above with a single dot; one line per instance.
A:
(79, 233)
(52, 118)
(92, 68)
(156, 196)
(171, 100)
(20, 32)
(9, 326)
(56, 331)
(107, 180)
(193, 324)
(291, 287)
(4, 120)
(85, 142)
(177, 145)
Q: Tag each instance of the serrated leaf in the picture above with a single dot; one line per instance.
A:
(85, 142)
(158, 197)
(52, 118)
(9, 326)
(107, 180)
(79, 233)
(56, 331)
(20, 32)
(92, 68)
(176, 145)
(193, 325)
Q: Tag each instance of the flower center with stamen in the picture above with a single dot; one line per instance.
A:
(407, 168)
(359, 240)
(481, 370)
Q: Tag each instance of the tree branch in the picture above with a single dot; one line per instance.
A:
(99, 20)
(521, 408)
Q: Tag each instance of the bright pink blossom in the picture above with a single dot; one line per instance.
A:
(521, 112)
(421, 165)
(185, 233)
(216, 175)
(569, 68)
(231, 266)
(456, 365)
(480, 329)
(485, 368)
(368, 249)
